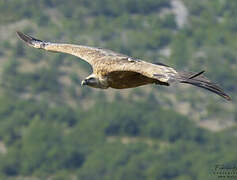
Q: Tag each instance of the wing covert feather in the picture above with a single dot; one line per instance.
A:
(159, 72)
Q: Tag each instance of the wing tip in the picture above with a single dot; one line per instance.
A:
(24, 37)
(227, 97)
(29, 40)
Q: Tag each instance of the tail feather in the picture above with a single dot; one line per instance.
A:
(197, 79)
(195, 75)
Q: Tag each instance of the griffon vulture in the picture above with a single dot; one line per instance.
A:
(115, 70)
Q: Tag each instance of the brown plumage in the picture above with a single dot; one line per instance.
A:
(115, 70)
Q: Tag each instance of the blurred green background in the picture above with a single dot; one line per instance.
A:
(51, 128)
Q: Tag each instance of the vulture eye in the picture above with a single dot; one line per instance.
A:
(91, 80)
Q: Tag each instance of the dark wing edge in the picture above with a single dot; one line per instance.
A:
(31, 41)
(83, 52)
(201, 81)
(196, 79)
(87, 53)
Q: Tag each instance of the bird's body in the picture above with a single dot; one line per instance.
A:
(115, 70)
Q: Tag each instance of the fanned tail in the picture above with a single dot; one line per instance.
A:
(197, 79)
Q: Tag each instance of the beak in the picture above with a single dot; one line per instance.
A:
(83, 83)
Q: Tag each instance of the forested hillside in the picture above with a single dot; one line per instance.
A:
(52, 128)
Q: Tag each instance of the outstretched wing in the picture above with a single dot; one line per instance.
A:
(89, 54)
(153, 71)
(104, 61)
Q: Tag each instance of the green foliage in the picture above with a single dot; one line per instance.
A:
(39, 142)
(50, 128)
(43, 146)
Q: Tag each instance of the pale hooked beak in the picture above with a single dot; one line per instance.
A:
(83, 83)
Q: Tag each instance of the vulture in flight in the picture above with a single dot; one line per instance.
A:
(115, 70)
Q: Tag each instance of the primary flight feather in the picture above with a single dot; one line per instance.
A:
(115, 70)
